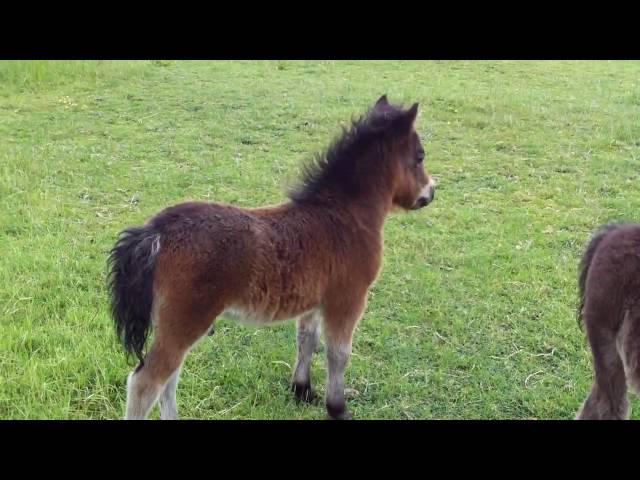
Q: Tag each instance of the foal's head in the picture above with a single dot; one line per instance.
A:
(412, 186)
(380, 156)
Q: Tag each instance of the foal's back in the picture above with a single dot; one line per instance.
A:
(263, 264)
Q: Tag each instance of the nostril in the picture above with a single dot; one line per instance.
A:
(422, 201)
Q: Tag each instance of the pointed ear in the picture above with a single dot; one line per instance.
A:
(405, 122)
(382, 101)
(412, 113)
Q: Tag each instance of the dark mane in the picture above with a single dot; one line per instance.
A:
(336, 168)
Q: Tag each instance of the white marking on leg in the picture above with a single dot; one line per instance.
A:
(337, 358)
(168, 404)
(308, 335)
(141, 396)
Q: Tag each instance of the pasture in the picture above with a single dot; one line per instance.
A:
(474, 313)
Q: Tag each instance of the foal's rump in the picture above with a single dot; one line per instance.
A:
(609, 278)
(180, 253)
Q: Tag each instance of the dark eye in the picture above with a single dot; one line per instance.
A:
(420, 157)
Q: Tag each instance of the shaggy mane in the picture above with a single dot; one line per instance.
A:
(336, 167)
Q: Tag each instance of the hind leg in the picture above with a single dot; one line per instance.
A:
(168, 404)
(177, 331)
(308, 334)
(608, 397)
(145, 385)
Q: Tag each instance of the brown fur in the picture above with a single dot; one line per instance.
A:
(319, 252)
(611, 315)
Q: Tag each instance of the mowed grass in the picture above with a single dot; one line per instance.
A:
(473, 315)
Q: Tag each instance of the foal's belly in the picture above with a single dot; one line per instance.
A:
(248, 316)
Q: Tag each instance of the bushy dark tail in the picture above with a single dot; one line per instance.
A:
(587, 257)
(131, 269)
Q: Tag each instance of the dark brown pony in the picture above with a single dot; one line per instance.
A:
(312, 259)
(610, 310)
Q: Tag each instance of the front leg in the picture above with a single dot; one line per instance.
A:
(308, 334)
(341, 318)
(338, 354)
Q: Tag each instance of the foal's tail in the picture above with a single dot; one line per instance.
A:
(131, 268)
(587, 257)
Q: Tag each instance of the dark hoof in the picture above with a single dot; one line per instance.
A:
(304, 393)
(339, 412)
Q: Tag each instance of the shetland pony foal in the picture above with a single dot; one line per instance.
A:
(313, 259)
(610, 310)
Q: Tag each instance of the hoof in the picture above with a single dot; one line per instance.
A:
(339, 412)
(304, 393)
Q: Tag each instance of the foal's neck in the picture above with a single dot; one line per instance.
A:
(370, 213)
(367, 211)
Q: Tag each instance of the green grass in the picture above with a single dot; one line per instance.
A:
(473, 315)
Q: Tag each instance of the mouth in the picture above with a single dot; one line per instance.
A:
(426, 196)
(421, 203)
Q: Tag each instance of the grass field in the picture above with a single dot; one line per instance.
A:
(473, 316)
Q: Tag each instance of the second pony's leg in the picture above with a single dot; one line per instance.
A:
(608, 397)
(308, 334)
(629, 347)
